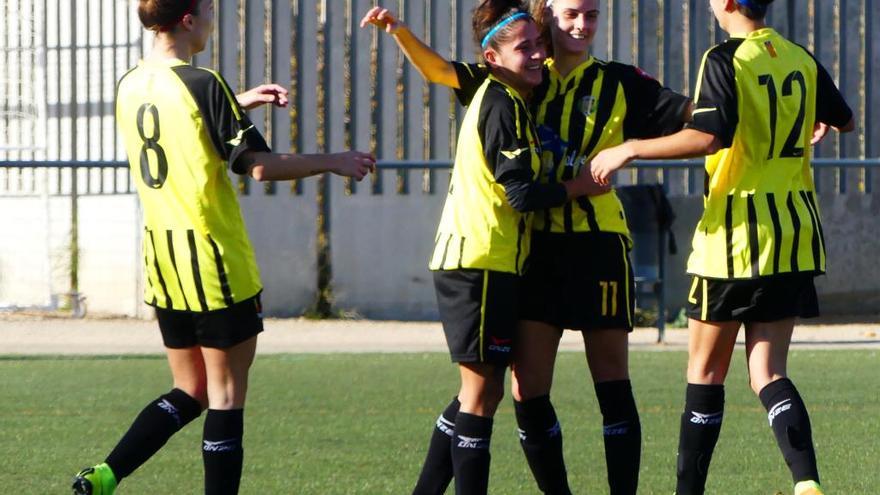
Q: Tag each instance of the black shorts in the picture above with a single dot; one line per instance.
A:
(764, 299)
(220, 328)
(478, 312)
(581, 281)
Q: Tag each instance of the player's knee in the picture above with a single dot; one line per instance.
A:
(525, 389)
(706, 374)
(197, 389)
(757, 381)
(492, 395)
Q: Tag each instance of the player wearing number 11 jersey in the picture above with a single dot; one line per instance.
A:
(182, 128)
(761, 101)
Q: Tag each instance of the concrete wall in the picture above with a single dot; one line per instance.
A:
(380, 248)
(35, 254)
(851, 223)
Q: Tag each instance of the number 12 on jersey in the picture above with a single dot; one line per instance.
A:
(790, 148)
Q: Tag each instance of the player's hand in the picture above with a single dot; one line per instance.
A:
(609, 161)
(353, 164)
(383, 19)
(262, 94)
(820, 130)
(585, 185)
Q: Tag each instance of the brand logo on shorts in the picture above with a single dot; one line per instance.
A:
(220, 445)
(778, 409)
(499, 345)
(707, 419)
(472, 442)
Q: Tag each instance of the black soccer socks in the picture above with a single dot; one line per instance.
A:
(622, 432)
(152, 428)
(470, 454)
(222, 451)
(700, 427)
(541, 439)
(437, 469)
(791, 425)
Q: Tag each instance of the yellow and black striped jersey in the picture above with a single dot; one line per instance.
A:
(181, 125)
(478, 227)
(761, 95)
(596, 106)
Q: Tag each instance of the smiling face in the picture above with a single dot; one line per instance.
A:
(518, 60)
(574, 25)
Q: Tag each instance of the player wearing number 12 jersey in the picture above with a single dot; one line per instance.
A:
(761, 101)
(182, 128)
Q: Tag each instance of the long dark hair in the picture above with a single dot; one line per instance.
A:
(488, 14)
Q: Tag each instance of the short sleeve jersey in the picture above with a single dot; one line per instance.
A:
(182, 126)
(479, 229)
(761, 95)
(596, 106)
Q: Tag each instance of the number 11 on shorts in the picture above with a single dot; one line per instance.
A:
(605, 285)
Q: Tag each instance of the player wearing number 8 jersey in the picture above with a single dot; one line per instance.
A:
(761, 101)
(198, 256)
(182, 127)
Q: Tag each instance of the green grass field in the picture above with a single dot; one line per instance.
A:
(346, 424)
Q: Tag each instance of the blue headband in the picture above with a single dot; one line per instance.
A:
(500, 26)
(749, 4)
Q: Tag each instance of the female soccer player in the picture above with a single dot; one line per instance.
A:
(482, 241)
(759, 242)
(579, 275)
(182, 127)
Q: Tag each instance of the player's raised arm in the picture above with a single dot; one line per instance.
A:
(430, 64)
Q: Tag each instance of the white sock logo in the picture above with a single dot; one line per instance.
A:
(445, 425)
(706, 419)
(472, 442)
(778, 409)
(220, 445)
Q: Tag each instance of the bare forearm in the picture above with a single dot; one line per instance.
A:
(688, 143)
(283, 166)
(430, 64)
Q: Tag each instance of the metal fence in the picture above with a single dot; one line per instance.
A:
(352, 88)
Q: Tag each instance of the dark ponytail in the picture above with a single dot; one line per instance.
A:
(163, 15)
(489, 14)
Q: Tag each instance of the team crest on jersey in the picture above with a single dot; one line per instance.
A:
(586, 105)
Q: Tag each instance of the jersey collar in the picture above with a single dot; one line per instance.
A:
(760, 33)
(563, 81)
(164, 62)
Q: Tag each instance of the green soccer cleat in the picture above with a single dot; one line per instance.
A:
(808, 488)
(97, 480)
